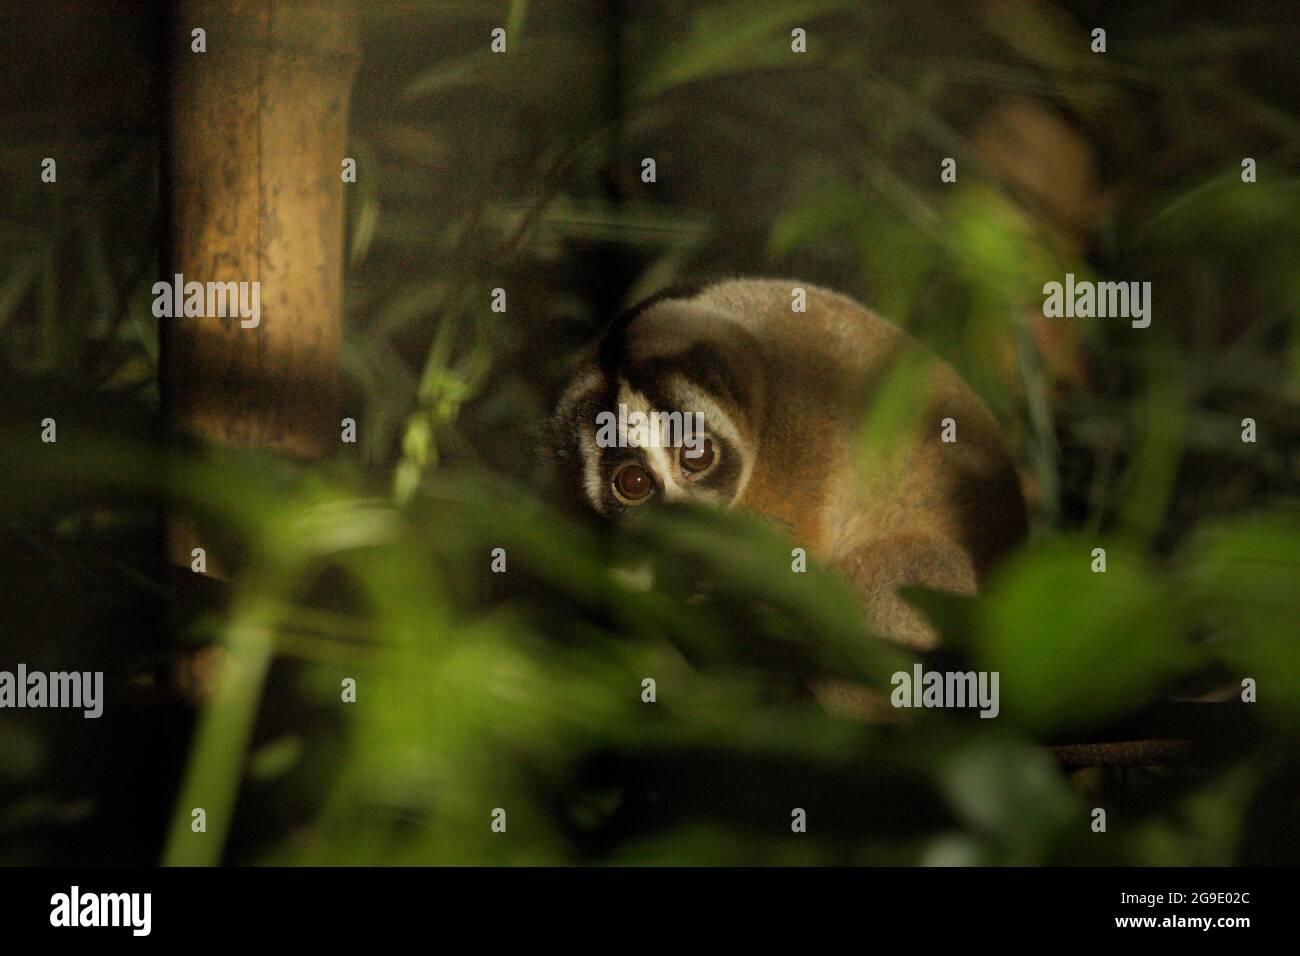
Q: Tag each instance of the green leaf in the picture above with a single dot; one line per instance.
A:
(1075, 648)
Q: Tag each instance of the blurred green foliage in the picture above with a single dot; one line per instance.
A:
(523, 691)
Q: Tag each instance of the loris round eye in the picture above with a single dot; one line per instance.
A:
(632, 483)
(698, 459)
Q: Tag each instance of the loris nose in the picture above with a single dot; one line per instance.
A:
(672, 491)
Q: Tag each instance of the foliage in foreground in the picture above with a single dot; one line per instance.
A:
(523, 691)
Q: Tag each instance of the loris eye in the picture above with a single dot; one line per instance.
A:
(632, 483)
(699, 459)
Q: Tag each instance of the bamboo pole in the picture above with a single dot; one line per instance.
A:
(257, 134)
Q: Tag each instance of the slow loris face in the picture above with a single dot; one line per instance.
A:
(632, 442)
(654, 416)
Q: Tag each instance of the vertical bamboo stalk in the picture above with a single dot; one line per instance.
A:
(256, 136)
(257, 132)
(258, 129)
